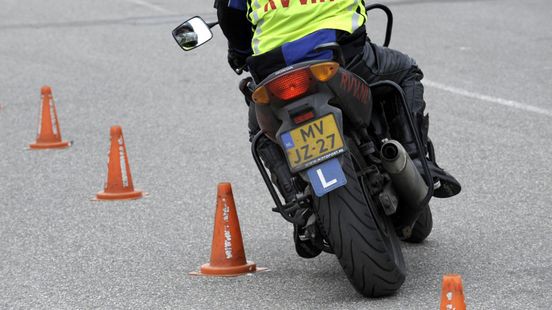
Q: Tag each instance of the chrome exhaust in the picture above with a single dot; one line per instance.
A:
(407, 181)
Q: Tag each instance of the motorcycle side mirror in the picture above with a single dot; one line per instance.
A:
(192, 33)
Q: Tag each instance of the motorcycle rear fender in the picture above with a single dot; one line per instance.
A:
(353, 97)
(344, 95)
(345, 90)
(318, 103)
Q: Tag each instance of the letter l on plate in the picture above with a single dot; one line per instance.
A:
(326, 177)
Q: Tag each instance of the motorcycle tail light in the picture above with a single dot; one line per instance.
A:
(295, 83)
(324, 71)
(298, 119)
(291, 85)
(260, 96)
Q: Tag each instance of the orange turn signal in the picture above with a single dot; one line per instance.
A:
(260, 96)
(324, 71)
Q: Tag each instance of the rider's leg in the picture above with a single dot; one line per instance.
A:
(445, 184)
(273, 159)
(380, 63)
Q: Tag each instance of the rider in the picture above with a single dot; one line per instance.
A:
(267, 35)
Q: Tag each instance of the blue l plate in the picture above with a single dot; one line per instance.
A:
(326, 177)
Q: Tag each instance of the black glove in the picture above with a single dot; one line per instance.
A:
(237, 60)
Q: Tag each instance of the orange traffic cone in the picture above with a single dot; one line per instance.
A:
(49, 135)
(227, 253)
(119, 181)
(452, 295)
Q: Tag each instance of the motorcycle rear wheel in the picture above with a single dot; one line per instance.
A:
(362, 237)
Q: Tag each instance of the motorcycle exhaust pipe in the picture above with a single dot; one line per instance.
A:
(407, 181)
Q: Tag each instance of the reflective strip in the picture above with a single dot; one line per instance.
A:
(258, 30)
(353, 5)
(356, 16)
(255, 19)
(255, 15)
(256, 49)
(256, 42)
(356, 21)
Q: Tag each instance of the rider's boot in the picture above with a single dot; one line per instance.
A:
(445, 185)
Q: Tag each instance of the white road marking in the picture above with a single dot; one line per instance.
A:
(504, 102)
(150, 5)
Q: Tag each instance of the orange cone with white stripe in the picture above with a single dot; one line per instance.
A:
(49, 134)
(452, 294)
(227, 253)
(119, 180)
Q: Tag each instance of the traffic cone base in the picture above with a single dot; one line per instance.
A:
(231, 271)
(53, 145)
(119, 196)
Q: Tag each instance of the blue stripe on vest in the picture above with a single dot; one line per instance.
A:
(303, 49)
(238, 4)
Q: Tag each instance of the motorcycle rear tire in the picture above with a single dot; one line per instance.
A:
(362, 237)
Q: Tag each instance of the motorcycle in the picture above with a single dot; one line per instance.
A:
(357, 186)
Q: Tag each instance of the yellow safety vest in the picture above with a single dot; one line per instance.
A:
(277, 22)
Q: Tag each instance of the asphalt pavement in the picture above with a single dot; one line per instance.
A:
(487, 65)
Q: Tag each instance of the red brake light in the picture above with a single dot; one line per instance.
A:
(303, 117)
(291, 85)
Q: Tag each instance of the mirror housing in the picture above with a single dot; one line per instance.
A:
(192, 33)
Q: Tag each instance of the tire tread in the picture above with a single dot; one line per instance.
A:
(351, 231)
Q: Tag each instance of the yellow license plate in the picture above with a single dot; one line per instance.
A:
(312, 143)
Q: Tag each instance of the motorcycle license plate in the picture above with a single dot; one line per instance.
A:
(312, 143)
